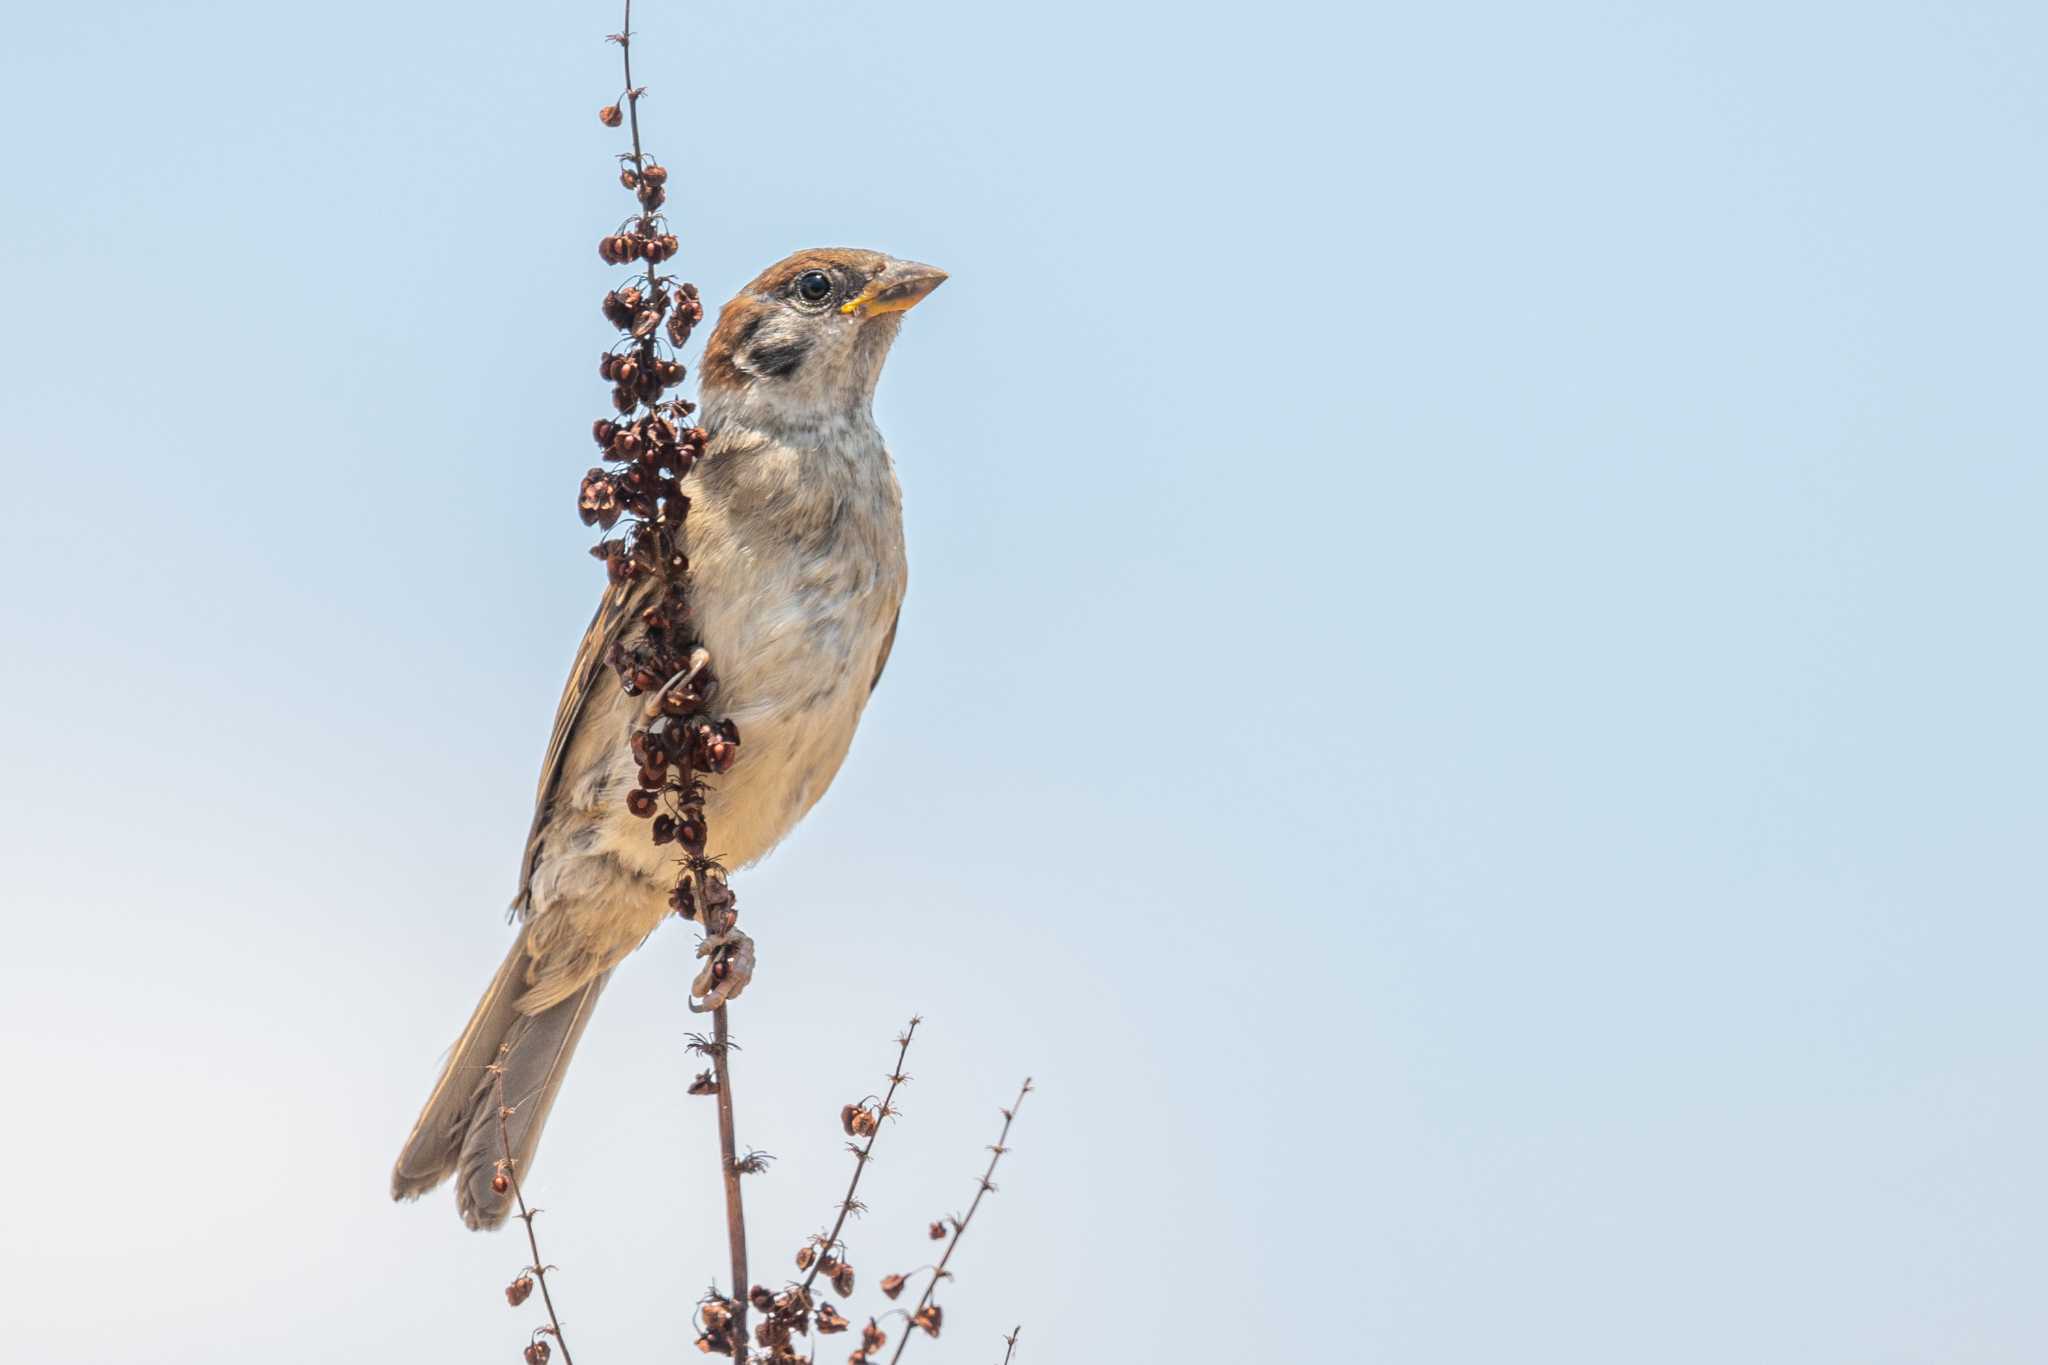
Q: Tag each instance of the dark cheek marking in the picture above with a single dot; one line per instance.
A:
(778, 360)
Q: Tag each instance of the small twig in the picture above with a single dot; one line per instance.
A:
(729, 1166)
(633, 110)
(508, 1166)
(1010, 1343)
(860, 1163)
(960, 1224)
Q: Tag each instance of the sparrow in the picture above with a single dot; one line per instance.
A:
(797, 573)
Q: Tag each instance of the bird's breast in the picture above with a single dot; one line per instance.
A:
(797, 570)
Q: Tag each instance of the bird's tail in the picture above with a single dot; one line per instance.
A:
(457, 1133)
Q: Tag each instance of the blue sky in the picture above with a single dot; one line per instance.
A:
(1469, 703)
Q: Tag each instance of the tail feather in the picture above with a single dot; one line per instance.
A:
(457, 1132)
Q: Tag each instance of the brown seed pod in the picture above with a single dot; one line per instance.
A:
(500, 1183)
(707, 1084)
(829, 1319)
(929, 1318)
(651, 197)
(624, 400)
(640, 803)
(654, 173)
(610, 116)
(598, 501)
(603, 430)
(683, 900)
(842, 1280)
(804, 1256)
(627, 178)
(616, 310)
(763, 1298)
(872, 1337)
(938, 1232)
(538, 1353)
(519, 1290)
(690, 831)
(892, 1285)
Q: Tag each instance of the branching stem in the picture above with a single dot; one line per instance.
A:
(508, 1166)
(846, 1205)
(728, 1160)
(960, 1225)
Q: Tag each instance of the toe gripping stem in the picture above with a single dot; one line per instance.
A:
(728, 954)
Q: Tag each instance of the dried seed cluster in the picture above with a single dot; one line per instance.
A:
(649, 448)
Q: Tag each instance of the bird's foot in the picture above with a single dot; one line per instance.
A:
(729, 966)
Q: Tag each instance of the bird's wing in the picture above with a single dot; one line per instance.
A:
(617, 608)
(888, 643)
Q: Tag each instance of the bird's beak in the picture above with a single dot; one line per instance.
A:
(896, 289)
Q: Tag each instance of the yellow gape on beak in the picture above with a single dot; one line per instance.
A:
(896, 289)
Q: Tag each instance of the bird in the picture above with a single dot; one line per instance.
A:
(797, 576)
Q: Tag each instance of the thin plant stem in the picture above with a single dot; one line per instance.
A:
(960, 1225)
(633, 111)
(846, 1205)
(1010, 1343)
(509, 1166)
(728, 1155)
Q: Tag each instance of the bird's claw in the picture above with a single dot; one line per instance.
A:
(729, 966)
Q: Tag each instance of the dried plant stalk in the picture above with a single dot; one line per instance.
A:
(537, 1350)
(849, 1205)
(927, 1314)
(735, 1211)
(676, 741)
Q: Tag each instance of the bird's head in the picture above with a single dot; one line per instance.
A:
(809, 335)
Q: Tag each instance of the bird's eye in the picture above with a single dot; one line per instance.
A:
(814, 286)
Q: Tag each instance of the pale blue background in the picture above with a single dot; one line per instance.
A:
(1470, 702)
